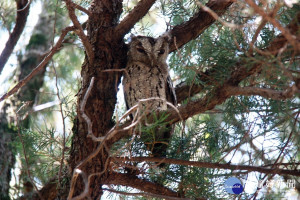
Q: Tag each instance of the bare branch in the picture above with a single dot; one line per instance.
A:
(40, 66)
(198, 23)
(22, 14)
(133, 17)
(85, 41)
(212, 165)
(81, 8)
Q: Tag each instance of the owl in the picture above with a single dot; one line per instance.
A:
(147, 75)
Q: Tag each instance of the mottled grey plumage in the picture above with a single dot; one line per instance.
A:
(147, 76)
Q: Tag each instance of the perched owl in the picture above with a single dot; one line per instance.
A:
(147, 76)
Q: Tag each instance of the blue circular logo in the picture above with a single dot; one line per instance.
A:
(233, 186)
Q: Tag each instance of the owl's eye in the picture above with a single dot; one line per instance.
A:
(162, 51)
(141, 50)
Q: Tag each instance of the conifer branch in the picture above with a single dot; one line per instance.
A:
(248, 168)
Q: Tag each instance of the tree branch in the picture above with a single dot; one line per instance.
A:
(21, 19)
(133, 17)
(40, 66)
(191, 29)
(184, 91)
(141, 184)
(240, 72)
(212, 165)
(85, 41)
(285, 32)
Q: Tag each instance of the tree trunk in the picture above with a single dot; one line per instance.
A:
(109, 54)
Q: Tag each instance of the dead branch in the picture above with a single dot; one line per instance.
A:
(138, 12)
(21, 19)
(212, 165)
(41, 65)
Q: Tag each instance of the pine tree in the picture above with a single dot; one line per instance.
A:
(236, 70)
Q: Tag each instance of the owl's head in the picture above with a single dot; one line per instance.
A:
(148, 50)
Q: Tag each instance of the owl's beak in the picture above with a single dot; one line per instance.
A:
(153, 60)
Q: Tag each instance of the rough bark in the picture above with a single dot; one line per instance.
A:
(109, 54)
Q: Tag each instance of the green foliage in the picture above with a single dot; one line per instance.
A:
(43, 150)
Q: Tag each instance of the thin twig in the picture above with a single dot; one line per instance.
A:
(287, 34)
(64, 128)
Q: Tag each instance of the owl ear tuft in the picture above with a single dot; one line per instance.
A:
(167, 36)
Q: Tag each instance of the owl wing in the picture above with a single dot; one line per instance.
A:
(170, 92)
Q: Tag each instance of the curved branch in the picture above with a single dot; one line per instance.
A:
(133, 17)
(191, 29)
(21, 19)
